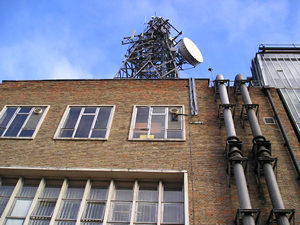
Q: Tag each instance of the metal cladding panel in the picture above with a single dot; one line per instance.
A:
(279, 70)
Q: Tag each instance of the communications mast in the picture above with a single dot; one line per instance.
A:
(156, 54)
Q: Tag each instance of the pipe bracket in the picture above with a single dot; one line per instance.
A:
(221, 109)
(216, 87)
(245, 108)
(277, 213)
(247, 212)
(237, 86)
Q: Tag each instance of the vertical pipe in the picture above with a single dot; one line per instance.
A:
(287, 142)
(267, 166)
(238, 169)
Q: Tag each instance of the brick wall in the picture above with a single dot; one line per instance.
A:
(202, 154)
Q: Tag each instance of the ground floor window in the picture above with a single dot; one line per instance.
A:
(80, 201)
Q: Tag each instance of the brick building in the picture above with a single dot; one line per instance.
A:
(110, 152)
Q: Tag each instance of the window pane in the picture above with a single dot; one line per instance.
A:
(159, 109)
(51, 192)
(90, 109)
(146, 212)
(28, 191)
(148, 195)
(173, 213)
(173, 194)
(75, 192)
(66, 132)
(65, 223)
(7, 116)
(14, 222)
(92, 223)
(124, 194)
(98, 194)
(26, 133)
(84, 126)
(25, 109)
(103, 117)
(3, 202)
(158, 126)
(98, 133)
(69, 209)
(94, 211)
(173, 124)
(16, 125)
(120, 211)
(45, 208)
(6, 190)
(33, 120)
(72, 117)
(174, 134)
(39, 222)
(21, 208)
(141, 122)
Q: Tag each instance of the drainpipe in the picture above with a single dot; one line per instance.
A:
(262, 152)
(234, 154)
(286, 139)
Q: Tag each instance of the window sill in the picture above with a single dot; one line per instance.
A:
(159, 140)
(17, 138)
(79, 139)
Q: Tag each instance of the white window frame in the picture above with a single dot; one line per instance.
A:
(66, 113)
(13, 117)
(133, 121)
(159, 177)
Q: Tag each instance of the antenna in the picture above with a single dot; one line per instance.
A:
(153, 54)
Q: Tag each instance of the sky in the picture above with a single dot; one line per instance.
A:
(75, 39)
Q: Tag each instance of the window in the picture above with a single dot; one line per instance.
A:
(96, 202)
(85, 122)
(157, 123)
(21, 121)
(269, 120)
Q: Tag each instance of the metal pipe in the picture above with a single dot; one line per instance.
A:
(286, 139)
(239, 175)
(263, 152)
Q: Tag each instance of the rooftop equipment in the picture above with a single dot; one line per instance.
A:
(153, 54)
(265, 163)
(235, 159)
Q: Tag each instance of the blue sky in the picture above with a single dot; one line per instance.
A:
(75, 39)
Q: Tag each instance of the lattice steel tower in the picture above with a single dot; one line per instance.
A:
(153, 53)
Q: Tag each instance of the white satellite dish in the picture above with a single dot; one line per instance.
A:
(190, 52)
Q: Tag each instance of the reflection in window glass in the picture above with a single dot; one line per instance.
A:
(86, 122)
(20, 121)
(158, 122)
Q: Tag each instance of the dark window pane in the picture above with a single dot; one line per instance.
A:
(3, 202)
(84, 126)
(124, 194)
(69, 210)
(98, 194)
(7, 116)
(66, 132)
(98, 133)
(39, 222)
(103, 117)
(75, 192)
(16, 125)
(90, 109)
(45, 208)
(2, 131)
(26, 133)
(173, 193)
(148, 195)
(28, 191)
(51, 192)
(142, 115)
(174, 134)
(65, 223)
(72, 117)
(94, 211)
(25, 109)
